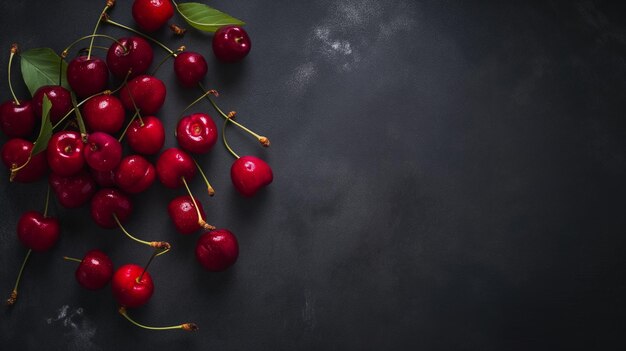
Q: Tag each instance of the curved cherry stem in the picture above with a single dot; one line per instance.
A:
(14, 50)
(167, 57)
(67, 258)
(15, 168)
(137, 111)
(145, 268)
(159, 245)
(45, 209)
(210, 92)
(65, 52)
(128, 126)
(184, 326)
(224, 139)
(95, 29)
(210, 189)
(201, 220)
(107, 19)
(13, 297)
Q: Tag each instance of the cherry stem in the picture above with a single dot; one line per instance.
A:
(137, 112)
(14, 50)
(167, 57)
(210, 92)
(67, 258)
(159, 245)
(79, 119)
(145, 268)
(184, 326)
(201, 220)
(45, 209)
(224, 139)
(230, 116)
(107, 19)
(65, 52)
(15, 168)
(13, 297)
(95, 29)
(210, 189)
(128, 126)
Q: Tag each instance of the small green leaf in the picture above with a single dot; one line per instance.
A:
(41, 67)
(45, 133)
(205, 18)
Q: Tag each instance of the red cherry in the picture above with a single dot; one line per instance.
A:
(148, 92)
(183, 213)
(104, 113)
(135, 174)
(130, 54)
(249, 174)
(190, 68)
(65, 153)
(17, 121)
(95, 270)
(104, 179)
(15, 153)
(37, 232)
(103, 152)
(231, 44)
(59, 97)
(196, 133)
(151, 15)
(107, 202)
(73, 191)
(147, 139)
(173, 165)
(217, 250)
(128, 290)
(87, 76)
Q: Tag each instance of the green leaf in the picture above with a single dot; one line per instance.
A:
(41, 67)
(205, 18)
(45, 133)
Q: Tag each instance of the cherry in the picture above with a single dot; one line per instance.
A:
(65, 153)
(87, 76)
(183, 213)
(15, 153)
(128, 289)
(103, 152)
(104, 179)
(190, 68)
(196, 133)
(17, 121)
(217, 250)
(173, 165)
(151, 15)
(37, 232)
(146, 139)
(104, 113)
(147, 92)
(249, 174)
(94, 271)
(135, 174)
(132, 54)
(107, 203)
(59, 97)
(231, 43)
(73, 191)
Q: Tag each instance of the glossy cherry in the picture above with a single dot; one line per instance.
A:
(95, 270)
(148, 92)
(132, 54)
(17, 121)
(146, 139)
(231, 43)
(107, 202)
(15, 153)
(87, 76)
(104, 113)
(196, 133)
(190, 68)
(65, 153)
(128, 290)
(217, 250)
(173, 165)
(102, 152)
(183, 213)
(135, 174)
(151, 15)
(249, 174)
(60, 99)
(37, 232)
(73, 191)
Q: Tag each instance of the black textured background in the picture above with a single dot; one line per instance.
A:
(448, 176)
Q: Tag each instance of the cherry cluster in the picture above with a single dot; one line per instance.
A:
(83, 155)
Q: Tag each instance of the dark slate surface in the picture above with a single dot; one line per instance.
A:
(448, 176)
